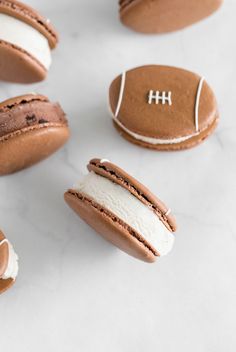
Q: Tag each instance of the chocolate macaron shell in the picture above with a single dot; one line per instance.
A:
(6, 284)
(191, 143)
(4, 254)
(110, 227)
(29, 146)
(31, 129)
(119, 176)
(22, 99)
(165, 104)
(160, 16)
(19, 66)
(30, 16)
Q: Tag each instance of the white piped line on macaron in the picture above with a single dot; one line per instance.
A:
(152, 140)
(12, 267)
(168, 212)
(122, 88)
(129, 209)
(24, 36)
(4, 241)
(199, 90)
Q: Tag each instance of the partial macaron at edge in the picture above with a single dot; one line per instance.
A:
(9, 267)
(30, 16)
(157, 17)
(25, 37)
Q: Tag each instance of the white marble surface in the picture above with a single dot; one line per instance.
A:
(76, 292)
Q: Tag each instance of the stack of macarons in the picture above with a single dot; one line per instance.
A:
(158, 107)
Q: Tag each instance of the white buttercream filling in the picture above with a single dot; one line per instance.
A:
(129, 209)
(12, 266)
(26, 37)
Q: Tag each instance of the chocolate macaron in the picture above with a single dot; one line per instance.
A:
(163, 108)
(123, 211)
(26, 41)
(160, 16)
(31, 129)
(8, 264)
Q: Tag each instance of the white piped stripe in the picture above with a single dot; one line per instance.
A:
(151, 140)
(12, 262)
(4, 241)
(156, 96)
(199, 90)
(104, 161)
(122, 88)
(168, 212)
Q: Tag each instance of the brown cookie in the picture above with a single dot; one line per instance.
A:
(8, 264)
(160, 16)
(123, 211)
(31, 129)
(26, 40)
(163, 108)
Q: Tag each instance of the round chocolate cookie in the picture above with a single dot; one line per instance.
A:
(162, 107)
(123, 211)
(31, 129)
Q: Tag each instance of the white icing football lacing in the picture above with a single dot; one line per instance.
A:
(199, 90)
(122, 88)
(4, 241)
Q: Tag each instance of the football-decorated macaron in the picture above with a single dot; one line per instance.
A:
(163, 108)
(160, 16)
(123, 211)
(26, 41)
(8, 264)
(31, 129)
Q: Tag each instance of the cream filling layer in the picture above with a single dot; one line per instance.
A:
(12, 267)
(129, 209)
(26, 37)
